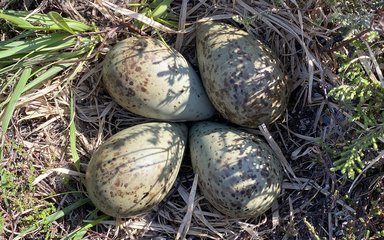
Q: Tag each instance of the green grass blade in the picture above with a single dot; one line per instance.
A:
(72, 134)
(72, 127)
(155, 3)
(53, 217)
(60, 44)
(41, 58)
(79, 26)
(161, 8)
(12, 44)
(79, 233)
(9, 43)
(33, 45)
(45, 22)
(19, 22)
(48, 74)
(14, 98)
(8, 67)
(25, 232)
(59, 20)
(169, 23)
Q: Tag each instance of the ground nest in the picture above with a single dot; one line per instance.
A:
(41, 183)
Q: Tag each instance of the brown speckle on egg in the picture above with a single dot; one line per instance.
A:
(238, 173)
(150, 151)
(138, 67)
(242, 77)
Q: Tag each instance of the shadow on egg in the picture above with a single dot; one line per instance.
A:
(239, 174)
(136, 168)
(150, 79)
(242, 77)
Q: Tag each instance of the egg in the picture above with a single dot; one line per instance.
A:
(238, 172)
(153, 80)
(243, 79)
(134, 170)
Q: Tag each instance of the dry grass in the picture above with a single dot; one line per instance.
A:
(312, 201)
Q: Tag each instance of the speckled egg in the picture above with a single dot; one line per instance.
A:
(153, 80)
(238, 172)
(135, 169)
(242, 77)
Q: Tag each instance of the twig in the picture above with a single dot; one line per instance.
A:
(278, 152)
(373, 162)
(348, 41)
(184, 227)
(182, 20)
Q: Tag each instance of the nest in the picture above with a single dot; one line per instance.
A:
(308, 203)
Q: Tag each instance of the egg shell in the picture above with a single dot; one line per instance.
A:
(238, 172)
(153, 80)
(242, 77)
(135, 169)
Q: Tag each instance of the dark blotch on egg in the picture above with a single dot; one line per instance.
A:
(238, 172)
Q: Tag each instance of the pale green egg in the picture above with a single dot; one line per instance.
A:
(134, 170)
(150, 79)
(238, 172)
(243, 79)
